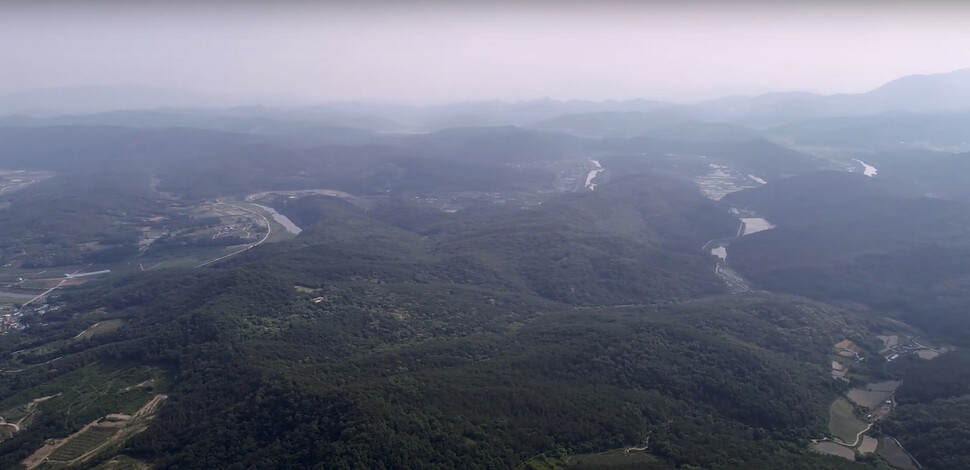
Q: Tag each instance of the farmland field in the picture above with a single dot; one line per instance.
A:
(873, 394)
(91, 391)
(894, 454)
(842, 422)
(82, 443)
(927, 354)
(868, 445)
(832, 448)
(867, 398)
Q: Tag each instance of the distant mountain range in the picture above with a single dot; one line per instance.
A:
(96, 99)
(946, 92)
(918, 110)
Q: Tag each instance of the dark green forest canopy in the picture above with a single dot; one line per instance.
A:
(934, 411)
(846, 237)
(393, 334)
(459, 341)
(370, 390)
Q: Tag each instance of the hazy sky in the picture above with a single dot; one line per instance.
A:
(446, 51)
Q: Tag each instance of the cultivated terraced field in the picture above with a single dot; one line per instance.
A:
(82, 444)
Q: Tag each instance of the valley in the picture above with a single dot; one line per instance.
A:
(541, 235)
(693, 296)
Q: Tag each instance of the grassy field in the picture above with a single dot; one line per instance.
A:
(543, 462)
(100, 328)
(40, 285)
(842, 422)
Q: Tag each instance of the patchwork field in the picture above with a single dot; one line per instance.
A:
(83, 443)
(95, 438)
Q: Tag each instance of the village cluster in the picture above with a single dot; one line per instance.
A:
(11, 316)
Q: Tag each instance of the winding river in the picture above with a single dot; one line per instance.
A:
(592, 174)
(281, 219)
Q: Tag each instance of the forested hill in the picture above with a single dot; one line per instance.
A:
(934, 412)
(209, 163)
(493, 297)
(635, 241)
(399, 338)
(847, 237)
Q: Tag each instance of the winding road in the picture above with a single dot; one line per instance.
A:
(858, 437)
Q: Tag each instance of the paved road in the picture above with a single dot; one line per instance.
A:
(48, 291)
